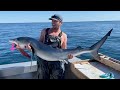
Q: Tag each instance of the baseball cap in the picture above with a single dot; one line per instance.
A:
(56, 17)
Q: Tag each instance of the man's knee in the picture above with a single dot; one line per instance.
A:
(57, 74)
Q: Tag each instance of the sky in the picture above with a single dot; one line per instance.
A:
(68, 16)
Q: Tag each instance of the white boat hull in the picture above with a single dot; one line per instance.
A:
(22, 70)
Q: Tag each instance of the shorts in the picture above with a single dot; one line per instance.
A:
(49, 69)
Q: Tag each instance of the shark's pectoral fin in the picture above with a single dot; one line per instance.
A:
(33, 52)
(79, 47)
(65, 61)
(32, 49)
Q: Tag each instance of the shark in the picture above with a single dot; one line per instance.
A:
(48, 53)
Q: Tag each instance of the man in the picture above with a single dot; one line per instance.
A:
(57, 39)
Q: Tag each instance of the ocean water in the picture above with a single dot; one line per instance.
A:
(82, 34)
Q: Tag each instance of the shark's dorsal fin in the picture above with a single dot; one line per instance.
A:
(79, 47)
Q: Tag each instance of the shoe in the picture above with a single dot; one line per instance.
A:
(107, 75)
(111, 75)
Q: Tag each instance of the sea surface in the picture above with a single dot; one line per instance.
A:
(82, 34)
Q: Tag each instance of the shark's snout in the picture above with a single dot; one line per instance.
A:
(13, 42)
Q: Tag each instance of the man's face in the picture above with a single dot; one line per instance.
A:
(56, 23)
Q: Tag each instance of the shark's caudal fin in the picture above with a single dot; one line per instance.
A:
(97, 45)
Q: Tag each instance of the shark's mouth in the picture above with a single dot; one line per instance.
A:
(13, 47)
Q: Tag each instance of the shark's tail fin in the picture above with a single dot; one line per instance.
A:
(97, 45)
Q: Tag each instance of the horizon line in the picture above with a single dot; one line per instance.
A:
(63, 21)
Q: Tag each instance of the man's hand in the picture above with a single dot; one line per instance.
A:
(70, 56)
(23, 52)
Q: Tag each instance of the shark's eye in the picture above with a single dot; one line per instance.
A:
(25, 47)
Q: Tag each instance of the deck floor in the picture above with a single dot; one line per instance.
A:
(93, 70)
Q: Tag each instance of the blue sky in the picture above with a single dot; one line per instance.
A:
(68, 16)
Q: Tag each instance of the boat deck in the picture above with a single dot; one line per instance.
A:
(92, 69)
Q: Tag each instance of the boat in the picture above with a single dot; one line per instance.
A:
(75, 69)
(93, 69)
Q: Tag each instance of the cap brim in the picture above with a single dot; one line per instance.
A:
(53, 19)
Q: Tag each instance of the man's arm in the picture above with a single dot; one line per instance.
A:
(42, 36)
(64, 43)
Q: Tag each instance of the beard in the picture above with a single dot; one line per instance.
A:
(55, 27)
